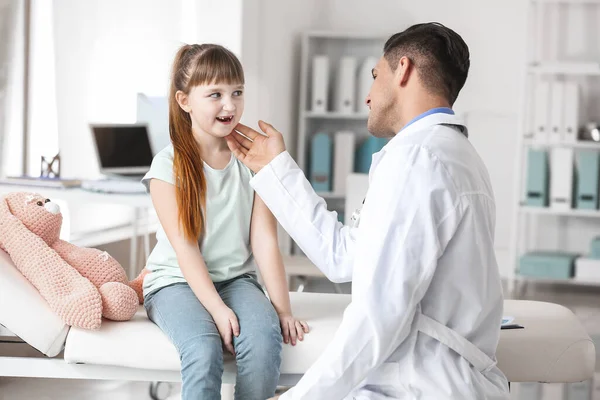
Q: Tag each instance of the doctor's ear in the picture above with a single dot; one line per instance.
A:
(182, 100)
(404, 69)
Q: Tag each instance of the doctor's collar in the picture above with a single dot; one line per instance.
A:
(431, 118)
(443, 110)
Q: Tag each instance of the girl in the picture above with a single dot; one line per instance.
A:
(202, 289)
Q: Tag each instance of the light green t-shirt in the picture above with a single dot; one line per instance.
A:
(226, 245)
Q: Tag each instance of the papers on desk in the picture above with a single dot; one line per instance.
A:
(41, 182)
(122, 186)
(508, 323)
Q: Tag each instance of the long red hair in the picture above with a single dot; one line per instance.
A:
(194, 65)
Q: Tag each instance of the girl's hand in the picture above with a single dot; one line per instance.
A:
(291, 328)
(227, 324)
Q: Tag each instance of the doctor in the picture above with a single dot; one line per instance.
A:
(424, 320)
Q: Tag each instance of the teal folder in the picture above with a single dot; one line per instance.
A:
(588, 167)
(595, 248)
(549, 265)
(364, 154)
(537, 178)
(320, 162)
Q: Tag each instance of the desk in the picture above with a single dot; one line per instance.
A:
(140, 203)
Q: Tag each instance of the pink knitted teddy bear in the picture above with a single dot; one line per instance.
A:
(81, 285)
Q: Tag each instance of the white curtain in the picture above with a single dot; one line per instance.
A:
(9, 13)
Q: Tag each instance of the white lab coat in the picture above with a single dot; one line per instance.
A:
(424, 320)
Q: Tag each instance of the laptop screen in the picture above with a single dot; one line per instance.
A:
(122, 148)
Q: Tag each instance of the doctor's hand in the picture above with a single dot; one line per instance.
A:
(255, 150)
(227, 325)
(292, 328)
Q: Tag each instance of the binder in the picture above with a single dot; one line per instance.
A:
(561, 178)
(320, 84)
(541, 121)
(343, 159)
(320, 162)
(364, 154)
(557, 108)
(537, 178)
(572, 111)
(345, 87)
(364, 81)
(588, 168)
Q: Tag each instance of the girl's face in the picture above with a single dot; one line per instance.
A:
(215, 109)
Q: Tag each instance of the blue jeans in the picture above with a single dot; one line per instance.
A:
(181, 316)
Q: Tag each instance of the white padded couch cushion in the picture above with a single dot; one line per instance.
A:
(553, 347)
(139, 343)
(25, 313)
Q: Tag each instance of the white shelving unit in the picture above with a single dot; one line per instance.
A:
(525, 224)
(335, 45)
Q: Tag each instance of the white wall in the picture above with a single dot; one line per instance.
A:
(270, 54)
(43, 130)
(12, 123)
(271, 59)
(106, 52)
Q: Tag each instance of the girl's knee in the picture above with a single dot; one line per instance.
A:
(203, 351)
(261, 344)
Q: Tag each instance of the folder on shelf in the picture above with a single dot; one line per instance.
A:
(343, 159)
(537, 178)
(573, 115)
(364, 154)
(345, 86)
(364, 82)
(541, 107)
(320, 162)
(588, 169)
(320, 84)
(549, 265)
(595, 248)
(562, 179)
(557, 108)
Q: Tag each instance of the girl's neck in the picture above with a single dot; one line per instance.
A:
(209, 145)
(213, 150)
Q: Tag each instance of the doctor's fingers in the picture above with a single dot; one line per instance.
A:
(246, 131)
(242, 140)
(237, 150)
(268, 129)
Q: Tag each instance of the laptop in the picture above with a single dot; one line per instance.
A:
(124, 154)
(123, 151)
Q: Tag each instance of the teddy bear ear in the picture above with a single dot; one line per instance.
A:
(4, 209)
(16, 201)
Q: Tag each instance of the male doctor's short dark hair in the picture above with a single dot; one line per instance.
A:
(439, 54)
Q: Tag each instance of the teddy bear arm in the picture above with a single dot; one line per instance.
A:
(69, 294)
(97, 266)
